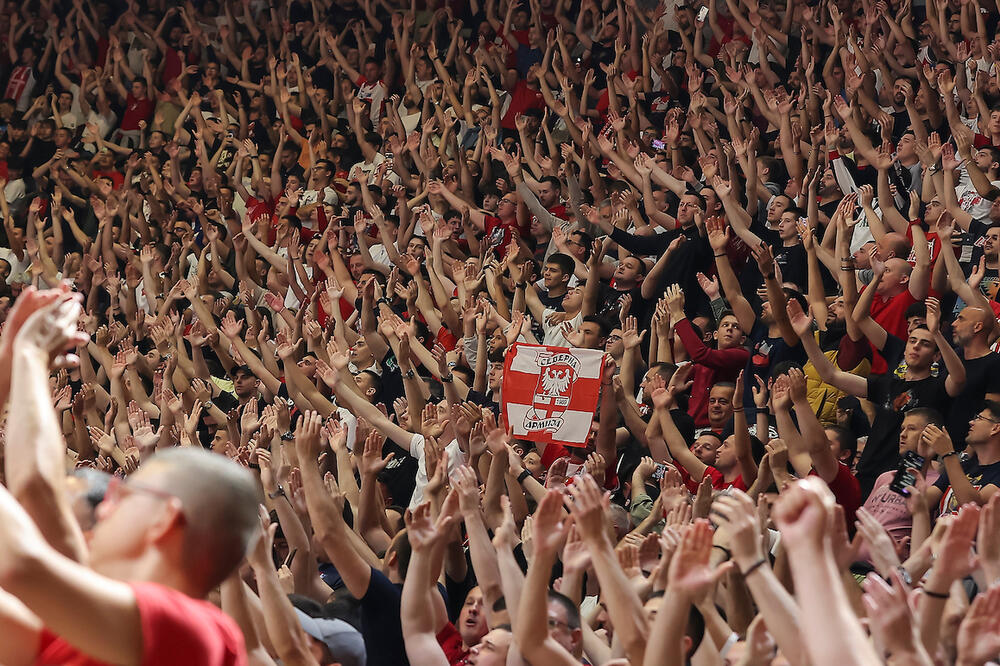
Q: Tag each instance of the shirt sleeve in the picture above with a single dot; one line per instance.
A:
(725, 359)
(177, 629)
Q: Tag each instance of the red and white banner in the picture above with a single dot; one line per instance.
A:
(550, 393)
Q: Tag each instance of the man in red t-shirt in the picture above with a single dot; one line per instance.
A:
(499, 229)
(897, 286)
(162, 541)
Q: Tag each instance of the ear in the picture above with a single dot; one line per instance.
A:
(171, 517)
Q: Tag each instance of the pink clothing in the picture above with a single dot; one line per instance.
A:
(889, 509)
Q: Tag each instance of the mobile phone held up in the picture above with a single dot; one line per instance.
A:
(906, 472)
(702, 14)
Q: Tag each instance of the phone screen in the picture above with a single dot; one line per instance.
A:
(906, 472)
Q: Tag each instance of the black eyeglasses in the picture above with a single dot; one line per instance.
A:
(980, 417)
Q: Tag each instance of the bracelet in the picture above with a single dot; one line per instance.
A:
(725, 550)
(280, 492)
(949, 454)
(753, 567)
(934, 595)
(847, 269)
(721, 255)
(737, 410)
(447, 380)
(523, 475)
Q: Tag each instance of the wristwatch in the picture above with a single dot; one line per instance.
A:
(409, 374)
(280, 492)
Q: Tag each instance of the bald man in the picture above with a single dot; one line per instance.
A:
(163, 538)
(972, 331)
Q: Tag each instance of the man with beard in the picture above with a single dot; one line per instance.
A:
(972, 330)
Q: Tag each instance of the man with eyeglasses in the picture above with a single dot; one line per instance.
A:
(162, 542)
(974, 479)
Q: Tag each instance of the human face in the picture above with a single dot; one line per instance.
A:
(706, 448)
(491, 650)
(991, 243)
(361, 354)
(496, 341)
(575, 246)
(777, 207)
(138, 89)
(472, 619)
(983, 427)
(628, 272)
(725, 458)
(966, 324)
(686, 209)
(592, 337)
(559, 628)
(245, 385)
(533, 463)
(416, 249)
(896, 275)
(788, 227)
(573, 299)
(548, 195)
(553, 276)
(720, 404)
(921, 350)
(357, 266)
(129, 513)
(729, 333)
(909, 433)
(506, 207)
(496, 376)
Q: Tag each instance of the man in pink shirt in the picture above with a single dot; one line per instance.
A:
(890, 508)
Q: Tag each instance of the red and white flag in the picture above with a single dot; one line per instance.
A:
(550, 393)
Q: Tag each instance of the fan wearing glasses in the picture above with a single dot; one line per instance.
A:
(164, 538)
(974, 479)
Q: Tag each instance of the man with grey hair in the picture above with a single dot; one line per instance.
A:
(163, 539)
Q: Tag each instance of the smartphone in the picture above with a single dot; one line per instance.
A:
(702, 14)
(906, 472)
(659, 145)
(661, 469)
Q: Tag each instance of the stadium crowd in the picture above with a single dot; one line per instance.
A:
(262, 263)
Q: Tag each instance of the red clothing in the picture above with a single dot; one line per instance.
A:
(136, 110)
(847, 491)
(522, 98)
(554, 452)
(718, 482)
(711, 367)
(500, 233)
(451, 644)
(116, 177)
(890, 313)
(176, 629)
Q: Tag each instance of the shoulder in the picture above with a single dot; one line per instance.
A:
(179, 629)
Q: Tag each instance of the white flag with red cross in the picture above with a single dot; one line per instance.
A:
(550, 393)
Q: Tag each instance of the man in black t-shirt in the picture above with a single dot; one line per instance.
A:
(972, 479)
(972, 330)
(892, 396)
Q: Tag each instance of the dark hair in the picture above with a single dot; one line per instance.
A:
(602, 323)
(918, 309)
(572, 610)
(553, 181)
(929, 414)
(847, 440)
(993, 407)
(563, 261)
